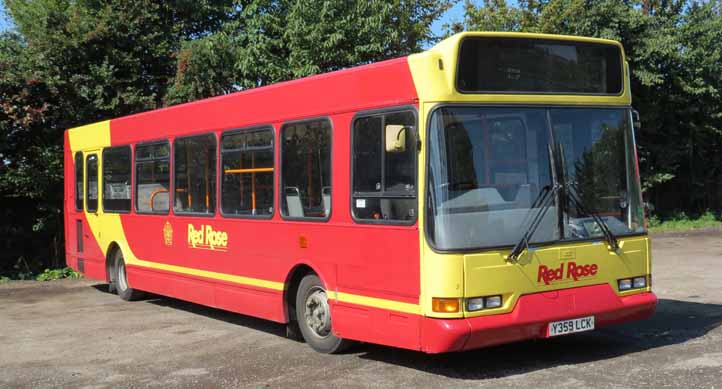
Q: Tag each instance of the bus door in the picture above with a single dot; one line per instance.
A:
(92, 252)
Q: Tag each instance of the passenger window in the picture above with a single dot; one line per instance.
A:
(116, 179)
(79, 181)
(195, 174)
(247, 162)
(152, 177)
(384, 167)
(306, 169)
(91, 182)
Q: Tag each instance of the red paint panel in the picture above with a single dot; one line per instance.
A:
(376, 325)
(382, 84)
(530, 318)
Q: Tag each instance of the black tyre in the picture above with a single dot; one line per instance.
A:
(119, 280)
(314, 317)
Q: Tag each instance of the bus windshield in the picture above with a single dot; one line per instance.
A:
(489, 165)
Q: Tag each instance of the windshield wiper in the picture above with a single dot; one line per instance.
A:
(608, 235)
(543, 201)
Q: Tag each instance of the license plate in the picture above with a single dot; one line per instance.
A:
(571, 326)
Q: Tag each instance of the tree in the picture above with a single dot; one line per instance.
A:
(271, 41)
(70, 63)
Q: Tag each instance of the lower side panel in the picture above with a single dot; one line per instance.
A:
(258, 302)
(374, 325)
(92, 268)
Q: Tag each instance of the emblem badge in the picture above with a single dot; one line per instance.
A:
(168, 234)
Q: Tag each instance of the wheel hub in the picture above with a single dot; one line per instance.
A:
(318, 314)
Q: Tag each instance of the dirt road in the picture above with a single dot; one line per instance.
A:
(71, 333)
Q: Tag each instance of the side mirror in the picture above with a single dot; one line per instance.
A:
(395, 138)
(635, 119)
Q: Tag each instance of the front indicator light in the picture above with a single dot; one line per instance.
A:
(445, 305)
(639, 282)
(625, 284)
(492, 302)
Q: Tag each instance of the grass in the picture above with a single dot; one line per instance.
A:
(682, 222)
(47, 275)
(56, 274)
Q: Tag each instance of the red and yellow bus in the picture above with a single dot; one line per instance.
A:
(481, 192)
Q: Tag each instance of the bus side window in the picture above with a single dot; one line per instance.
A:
(116, 179)
(306, 169)
(91, 182)
(152, 177)
(384, 167)
(79, 181)
(195, 174)
(247, 161)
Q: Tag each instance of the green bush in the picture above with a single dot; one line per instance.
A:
(56, 274)
(4, 280)
(682, 222)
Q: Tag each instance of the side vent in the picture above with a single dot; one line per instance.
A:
(79, 235)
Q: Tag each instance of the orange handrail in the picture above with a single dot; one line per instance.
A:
(152, 197)
(255, 170)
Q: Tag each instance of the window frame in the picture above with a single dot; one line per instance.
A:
(381, 112)
(87, 182)
(280, 169)
(220, 173)
(170, 176)
(427, 131)
(81, 180)
(101, 182)
(173, 186)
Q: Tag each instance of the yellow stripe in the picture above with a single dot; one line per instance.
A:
(212, 275)
(378, 303)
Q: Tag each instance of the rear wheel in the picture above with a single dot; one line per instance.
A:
(314, 317)
(120, 279)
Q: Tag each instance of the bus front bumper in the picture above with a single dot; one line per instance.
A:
(531, 316)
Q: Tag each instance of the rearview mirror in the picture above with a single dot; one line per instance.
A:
(395, 138)
(635, 119)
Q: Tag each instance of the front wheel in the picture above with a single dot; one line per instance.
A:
(120, 280)
(314, 317)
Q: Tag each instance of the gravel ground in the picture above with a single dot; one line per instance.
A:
(71, 333)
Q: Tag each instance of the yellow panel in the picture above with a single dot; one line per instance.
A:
(436, 84)
(90, 137)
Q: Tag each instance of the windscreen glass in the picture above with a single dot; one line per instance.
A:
(488, 168)
(513, 65)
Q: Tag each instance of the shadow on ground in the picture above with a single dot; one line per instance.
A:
(213, 313)
(674, 322)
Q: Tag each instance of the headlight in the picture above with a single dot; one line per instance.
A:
(479, 303)
(625, 284)
(639, 282)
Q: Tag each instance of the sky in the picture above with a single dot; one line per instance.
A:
(4, 20)
(456, 13)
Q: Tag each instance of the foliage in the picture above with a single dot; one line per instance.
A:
(676, 66)
(4, 280)
(682, 222)
(56, 274)
(271, 41)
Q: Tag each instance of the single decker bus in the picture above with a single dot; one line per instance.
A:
(481, 192)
